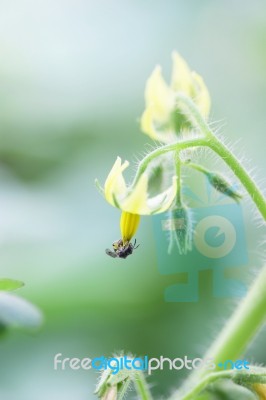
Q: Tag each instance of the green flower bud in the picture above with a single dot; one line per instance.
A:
(111, 393)
(220, 184)
(179, 225)
(110, 385)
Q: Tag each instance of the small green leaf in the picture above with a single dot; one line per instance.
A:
(17, 312)
(10, 284)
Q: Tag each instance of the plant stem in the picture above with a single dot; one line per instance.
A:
(142, 387)
(243, 324)
(211, 141)
(236, 335)
(239, 330)
(179, 183)
(253, 375)
(200, 386)
(220, 149)
(241, 174)
(197, 167)
(122, 393)
(178, 146)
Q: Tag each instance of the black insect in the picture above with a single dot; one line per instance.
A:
(122, 250)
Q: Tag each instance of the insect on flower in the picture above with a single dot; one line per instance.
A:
(121, 250)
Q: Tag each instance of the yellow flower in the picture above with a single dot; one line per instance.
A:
(135, 200)
(161, 119)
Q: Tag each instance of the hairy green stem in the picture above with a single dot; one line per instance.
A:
(142, 386)
(236, 334)
(197, 389)
(243, 324)
(221, 150)
(211, 141)
(254, 375)
(178, 146)
(179, 183)
(197, 167)
(123, 392)
(241, 174)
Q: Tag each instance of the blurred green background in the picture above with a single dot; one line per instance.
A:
(72, 78)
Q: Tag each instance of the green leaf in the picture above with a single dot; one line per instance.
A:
(17, 312)
(10, 284)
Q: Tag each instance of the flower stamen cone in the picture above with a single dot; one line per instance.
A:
(129, 224)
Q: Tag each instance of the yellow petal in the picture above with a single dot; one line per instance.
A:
(115, 183)
(158, 95)
(147, 126)
(164, 200)
(181, 75)
(128, 224)
(202, 97)
(136, 201)
(146, 123)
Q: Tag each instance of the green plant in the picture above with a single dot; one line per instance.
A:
(177, 115)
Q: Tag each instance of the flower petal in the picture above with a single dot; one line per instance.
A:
(202, 97)
(181, 75)
(115, 184)
(147, 126)
(159, 95)
(146, 123)
(164, 200)
(136, 201)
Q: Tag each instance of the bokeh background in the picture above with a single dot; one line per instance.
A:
(72, 77)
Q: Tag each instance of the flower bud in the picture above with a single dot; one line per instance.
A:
(220, 184)
(111, 386)
(179, 225)
(111, 393)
